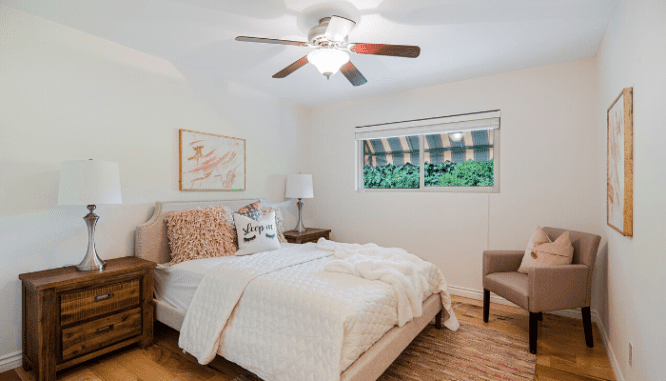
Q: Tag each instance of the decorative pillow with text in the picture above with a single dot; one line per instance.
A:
(256, 236)
(250, 210)
(279, 220)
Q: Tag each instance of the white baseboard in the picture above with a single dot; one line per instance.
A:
(10, 361)
(617, 372)
(478, 295)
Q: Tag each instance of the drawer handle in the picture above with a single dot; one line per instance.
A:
(104, 329)
(106, 296)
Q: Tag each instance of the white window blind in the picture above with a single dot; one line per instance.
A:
(487, 120)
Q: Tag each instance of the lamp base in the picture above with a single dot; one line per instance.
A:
(91, 262)
(299, 226)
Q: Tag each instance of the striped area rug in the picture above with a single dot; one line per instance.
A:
(473, 353)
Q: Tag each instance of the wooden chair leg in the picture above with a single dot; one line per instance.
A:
(486, 305)
(534, 327)
(587, 326)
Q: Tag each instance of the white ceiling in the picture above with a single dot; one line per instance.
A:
(459, 39)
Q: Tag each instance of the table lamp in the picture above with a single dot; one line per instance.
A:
(299, 186)
(89, 182)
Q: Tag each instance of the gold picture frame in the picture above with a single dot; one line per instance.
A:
(620, 164)
(210, 162)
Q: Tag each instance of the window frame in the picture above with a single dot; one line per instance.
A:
(420, 124)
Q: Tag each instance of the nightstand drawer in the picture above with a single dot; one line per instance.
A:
(88, 337)
(80, 305)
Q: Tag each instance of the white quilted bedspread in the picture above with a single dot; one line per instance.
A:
(293, 322)
(219, 292)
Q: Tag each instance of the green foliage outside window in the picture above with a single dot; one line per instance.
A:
(390, 176)
(469, 173)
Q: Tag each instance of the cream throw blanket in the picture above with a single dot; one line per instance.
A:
(406, 273)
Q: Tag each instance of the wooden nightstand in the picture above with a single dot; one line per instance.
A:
(71, 316)
(309, 235)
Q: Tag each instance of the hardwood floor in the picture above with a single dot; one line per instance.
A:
(561, 350)
(561, 353)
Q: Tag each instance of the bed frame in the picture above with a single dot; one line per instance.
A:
(151, 243)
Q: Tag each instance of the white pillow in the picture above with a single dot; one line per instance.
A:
(256, 236)
(549, 253)
(556, 253)
(538, 237)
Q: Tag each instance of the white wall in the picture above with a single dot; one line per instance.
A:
(633, 54)
(548, 169)
(66, 95)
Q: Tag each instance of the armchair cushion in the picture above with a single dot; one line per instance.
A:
(557, 287)
(512, 286)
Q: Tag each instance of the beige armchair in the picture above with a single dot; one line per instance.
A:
(547, 288)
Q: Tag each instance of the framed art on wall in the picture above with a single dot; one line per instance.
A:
(210, 162)
(620, 164)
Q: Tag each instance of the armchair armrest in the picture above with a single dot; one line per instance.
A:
(495, 261)
(557, 287)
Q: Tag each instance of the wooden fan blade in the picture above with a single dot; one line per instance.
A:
(291, 68)
(338, 28)
(353, 75)
(270, 41)
(410, 51)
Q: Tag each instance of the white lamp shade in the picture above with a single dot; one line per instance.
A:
(299, 186)
(89, 182)
(328, 60)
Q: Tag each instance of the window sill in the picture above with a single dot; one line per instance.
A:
(494, 189)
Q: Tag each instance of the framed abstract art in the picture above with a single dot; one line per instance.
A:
(210, 162)
(620, 164)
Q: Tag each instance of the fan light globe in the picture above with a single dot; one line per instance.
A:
(328, 61)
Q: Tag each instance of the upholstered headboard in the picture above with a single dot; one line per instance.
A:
(150, 240)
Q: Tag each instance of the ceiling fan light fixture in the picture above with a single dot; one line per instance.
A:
(328, 61)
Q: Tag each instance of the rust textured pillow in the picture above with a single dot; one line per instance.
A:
(200, 233)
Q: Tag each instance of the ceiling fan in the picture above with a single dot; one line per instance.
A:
(329, 39)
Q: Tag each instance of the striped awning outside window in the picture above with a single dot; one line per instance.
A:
(476, 145)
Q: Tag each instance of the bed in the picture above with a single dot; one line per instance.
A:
(151, 243)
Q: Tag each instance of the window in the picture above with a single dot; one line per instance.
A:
(391, 162)
(459, 152)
